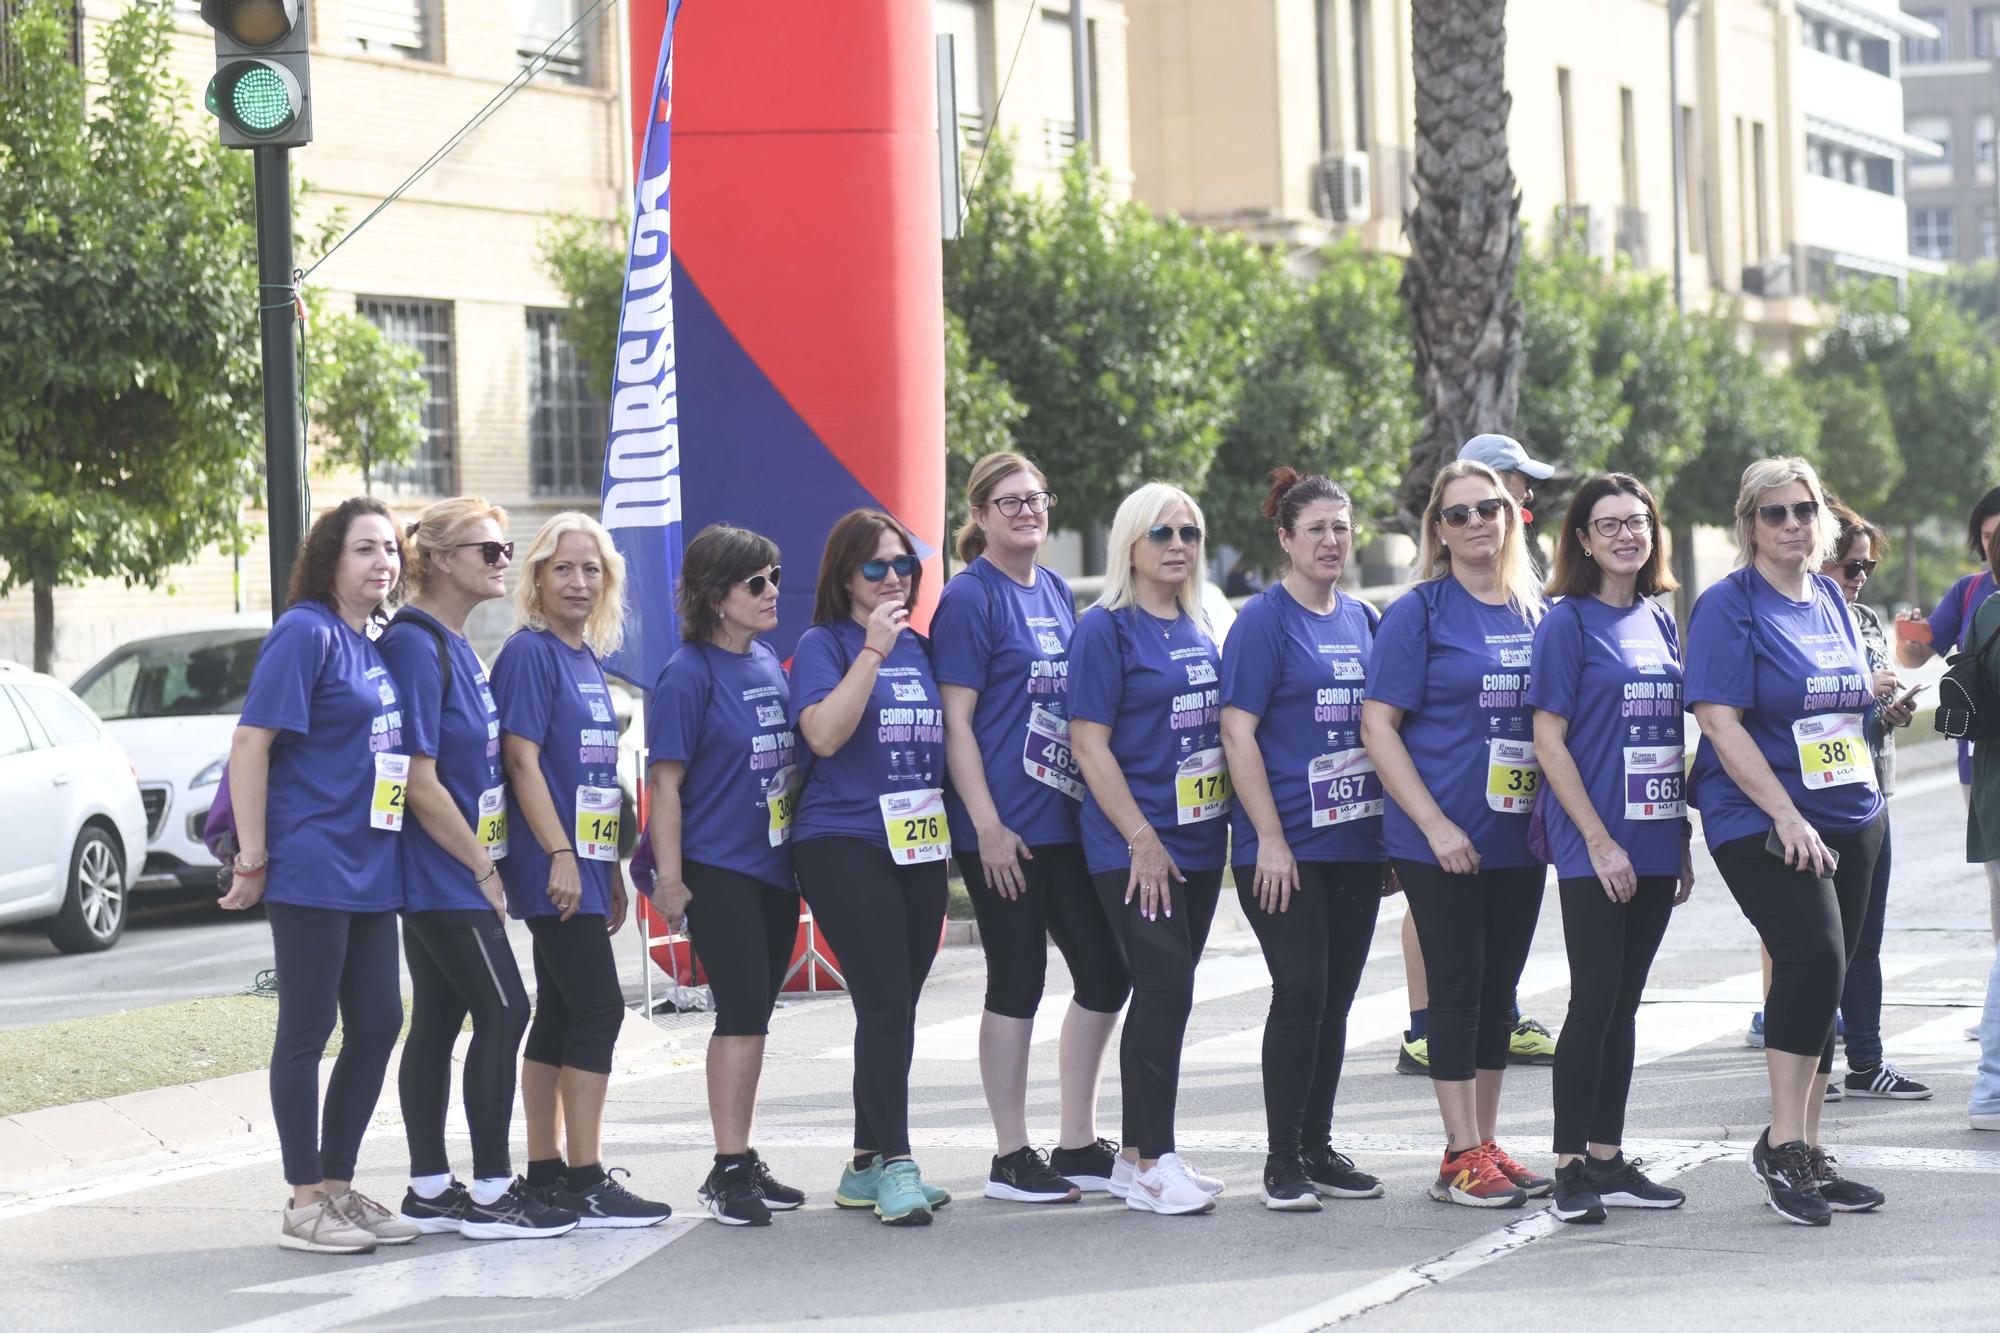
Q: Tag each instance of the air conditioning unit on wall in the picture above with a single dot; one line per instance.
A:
(1344, 194)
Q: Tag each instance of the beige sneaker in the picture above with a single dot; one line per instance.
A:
(322, 1228)
(370, 1216)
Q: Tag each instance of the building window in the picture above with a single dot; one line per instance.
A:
(1987, 232)
(426, 326)
(1937, 129)
(540, 22)
(1757, 166)
(1982, 142)
(966, 22)
(1694, 185)
(406, 28)
(1932, 233)
(1926, 50)
(1628, 150)
(1985, 32)
(566, 427)
(1058, 125)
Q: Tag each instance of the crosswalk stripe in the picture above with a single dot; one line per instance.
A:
(1708, 1013)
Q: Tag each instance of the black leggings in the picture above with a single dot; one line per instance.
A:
(1315, 949)
(1611, 947)
(1475, 931)
(579, 1005)
(329, 960)
(1160, 955)
(460, 964)
(1861, 993)
(742, 930)
(883, 922)
(1809, 925)
(1059, 903)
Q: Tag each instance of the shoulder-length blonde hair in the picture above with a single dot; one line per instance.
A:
(1143, 509)
(431, 535)
(605, 630)
(1771, 474)
(1516, 573)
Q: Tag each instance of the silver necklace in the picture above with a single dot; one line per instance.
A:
(1166, 630)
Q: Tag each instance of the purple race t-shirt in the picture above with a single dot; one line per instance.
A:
(555, 696)
(892, 767)
(461, 733)
(334, 805)
(1951, 625)
(1458, 668)
(1156, 684)
(1800, 674)
(1614, 673)
(727, 717)
(1303, 675)
(1012, 645)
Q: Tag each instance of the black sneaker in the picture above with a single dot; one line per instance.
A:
(1286, 1188)
(1834, 1091)
(446, 1212)
(1413, 1056)
(519, 1214)
(778, 1198)
(1575, 1200)
(1842, 1195)
(1088, 1168)
(609, 1204)
(732, 1196)
(1884, 1080)
(1621, 1184)
(1786, 1172)
(1025, 1176)
(1333, 1175)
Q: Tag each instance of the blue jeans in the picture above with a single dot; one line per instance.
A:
(1986, 1087)
(1861, 993)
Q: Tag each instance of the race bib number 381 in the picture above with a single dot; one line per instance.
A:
(1832, 750)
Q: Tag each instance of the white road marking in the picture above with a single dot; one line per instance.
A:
(1696, 1017)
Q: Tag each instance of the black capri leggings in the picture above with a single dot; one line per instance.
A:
(1058, 902)
(460, 964)
(1810, 926)
(1315, 949)
(1611, 947)
(329, 960)
(1160, 955)
(743, 930)
(883, 922)
(1475, 931)
(579, 1005)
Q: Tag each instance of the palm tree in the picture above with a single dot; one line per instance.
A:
(1465, 237)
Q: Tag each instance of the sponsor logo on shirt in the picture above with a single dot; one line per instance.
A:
(1200, 673)
(770, 715)
(908, 691)
(1050, 642)
(1514, 657)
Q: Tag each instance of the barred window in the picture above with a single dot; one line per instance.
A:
(426, 326)
(9, 9)
(407, 28)
(539, 22)
(566, 425)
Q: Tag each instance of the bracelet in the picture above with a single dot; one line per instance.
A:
(560, 850)
(1135, 837)
(491, 871)
(253, 872)
(871, 648)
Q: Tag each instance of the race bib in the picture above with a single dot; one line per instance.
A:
(1201, 788)
(781, 800)
(1653, 782)
(597, 823)
(392, 790)
(916, 825)
(1048, 759)
(1344, 787)
(1832, 750)
(1512, 776)
(492, 828)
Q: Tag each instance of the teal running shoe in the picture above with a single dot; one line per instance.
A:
(899, 1196)
(857, 1188)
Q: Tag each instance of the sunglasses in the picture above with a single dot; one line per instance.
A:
(1036, 502)
(1855, 569)
(1458, 516)
(1636, 524)
(1805, 511)
(1162, 533)
(492, 552)
(757, 582)
(877, 570)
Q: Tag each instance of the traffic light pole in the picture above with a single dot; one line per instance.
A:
(284, 452)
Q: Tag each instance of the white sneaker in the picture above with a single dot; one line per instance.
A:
(1978, 1121)
(1167, 1188)
(1207, 1183)
(1123, 1172)
(321, 1227)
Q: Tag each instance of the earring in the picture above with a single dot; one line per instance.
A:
(1589, 554)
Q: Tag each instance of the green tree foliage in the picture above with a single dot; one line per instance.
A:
(366, 393)
(128, 400)
(1749, 411)
(1858, 458)
(586, 259)
(979, 413)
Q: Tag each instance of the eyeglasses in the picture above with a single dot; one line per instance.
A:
(493, 552)
(1162, 533)
(1636, 524)
(1805, 511)
(1856, 569)
(756, 582)
(1036, 502)
(1458, 516)
(1316, 533)
(877, 570)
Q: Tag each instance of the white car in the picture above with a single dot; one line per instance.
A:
(76, 829)
(172, 701)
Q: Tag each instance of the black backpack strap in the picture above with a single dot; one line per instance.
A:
(403, 617)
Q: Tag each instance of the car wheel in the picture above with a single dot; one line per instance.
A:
(93, 910)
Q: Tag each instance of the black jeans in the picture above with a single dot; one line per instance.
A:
(1861, 993)
(460, 964)
(1160, 955)
(1810, 926)
(1315, 949)
(579, 1005)
(1475, 931)
(1611, 947)
(1057, 903)
(328, 961)
(743, 931)
(883, 922)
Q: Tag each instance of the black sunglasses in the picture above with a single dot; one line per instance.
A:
(1805, 511)
(1855, 569)
(1458, 516)
(877, 570)
(1162, 533)
(493, 552)
(755, 583)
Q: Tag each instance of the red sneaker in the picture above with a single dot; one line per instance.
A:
(1471, 1178)
(1530, 1184)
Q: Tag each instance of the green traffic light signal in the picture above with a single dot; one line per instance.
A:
(257, 98)
(261, 92)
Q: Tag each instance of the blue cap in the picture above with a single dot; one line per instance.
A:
(1503, 454)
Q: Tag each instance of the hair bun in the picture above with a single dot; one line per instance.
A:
(1282, 480)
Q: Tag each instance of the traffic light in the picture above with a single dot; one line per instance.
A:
(262, 89)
